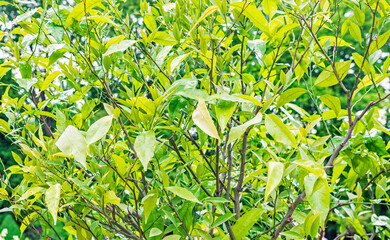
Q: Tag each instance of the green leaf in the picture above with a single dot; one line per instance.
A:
(379, 42)
(311, 166)
(270, 6)
(4, 127)
(25, 70)
(149, 203)
(48, 80)
(3, 192)
(163, 38)
(155, 232)
(318, 195)
(376, 144)
(312, 223)
(237, 131)
(150, 22)
(221, 219)
(358, 59)
(30, 192)
(355, 32)
(183, 193)
(202, 119)
(275, 175)
(279, 131)
(4, 3)
(177, 60)
(290, 95)
(224, 111)
(80, 10)
(253, 14)
(111, 198)
(327, 77)
(72, 142)
(359, 15)
(332, 103)
(119, 47)
(204, 235)
(99, 129)
(144, 145)
(357, 226)
(172, 237)
(120, 164)
(245, 223)
(52, 199)
(205, 14)
(56, 55)
(215, 200)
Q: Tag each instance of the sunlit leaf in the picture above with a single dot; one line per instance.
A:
(52, 199)
(99, 129)
(275, 175)
(183, 193)
(202, 119)
(290, 95)
(72, 142)
(119, 47)
(111, 198)
(245, 223)
(278, 130)
(327, 77)
(332, 103)
(144, 146)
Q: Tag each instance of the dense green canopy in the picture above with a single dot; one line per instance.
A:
(197, 119)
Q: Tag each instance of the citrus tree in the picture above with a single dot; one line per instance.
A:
(154, 125)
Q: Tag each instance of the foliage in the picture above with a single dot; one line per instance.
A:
(166, 131)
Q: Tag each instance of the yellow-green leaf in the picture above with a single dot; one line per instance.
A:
(237, 131)
(99, 129)
(358, 59)
(202, 119)
(80, 10)
(177, 60)
(150, 22)
(318, 194)
(72, 142)
(172, 237)
(149, 203)
(30, 192)
(246, 222)
(119, 47)
(327, 78)
(183, 193)
(275, 175)
(290, 95)
(379, 42)
(163, 38)
(269, 6)
(224, 111)
(359, 16)
(144, 146)
(253, 14)
(332, 103)
(49, 79)
(3, 192)
(279, 131)
(206, 13)
(355, 32)
(52, 199)
(111, 198)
